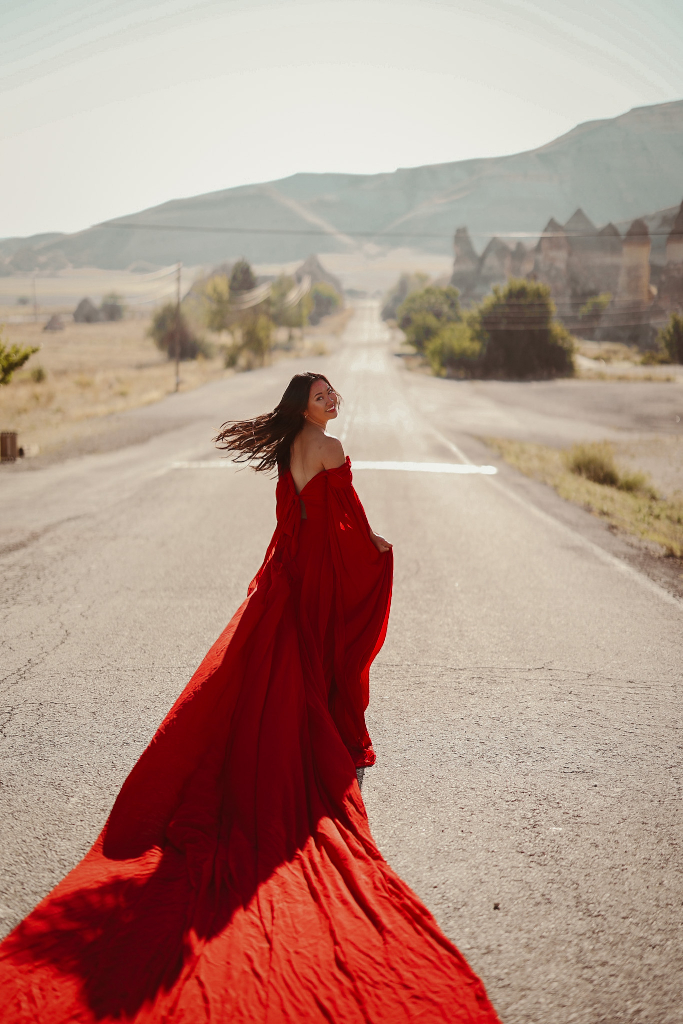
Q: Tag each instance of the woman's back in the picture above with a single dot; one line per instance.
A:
(312, 452)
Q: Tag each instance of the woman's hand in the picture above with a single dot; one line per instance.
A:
(380, 543)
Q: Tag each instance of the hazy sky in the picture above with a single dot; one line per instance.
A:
(109, 106)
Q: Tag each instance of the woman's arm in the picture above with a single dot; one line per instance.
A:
(333, 457)
(380, 543)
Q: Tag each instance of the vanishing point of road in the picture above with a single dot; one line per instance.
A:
(525, 707)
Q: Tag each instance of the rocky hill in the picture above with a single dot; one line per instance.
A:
(614, 169)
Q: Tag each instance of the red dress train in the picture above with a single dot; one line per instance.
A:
(236, 879)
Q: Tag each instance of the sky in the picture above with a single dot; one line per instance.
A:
(111, 106)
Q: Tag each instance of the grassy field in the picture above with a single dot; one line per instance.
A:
(638, 511)
(88, 371)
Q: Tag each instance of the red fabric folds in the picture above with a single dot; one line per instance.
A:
(236, 879)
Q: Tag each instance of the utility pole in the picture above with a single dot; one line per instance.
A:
(177, 328)
(35, 300)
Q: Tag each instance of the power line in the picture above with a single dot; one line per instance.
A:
(336, 232)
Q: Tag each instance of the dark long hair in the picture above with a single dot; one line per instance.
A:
(265, 441)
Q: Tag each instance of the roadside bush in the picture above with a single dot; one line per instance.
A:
(406, 284)
(166, 326)
(519, 335)
(216, 299)
(12, 357)
(112, 307)
(453, 349)
(670, 340)
(257, 340)
(418, 314)
(325, 300)
(595, 461)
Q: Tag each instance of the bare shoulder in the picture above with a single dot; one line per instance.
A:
(332, 453)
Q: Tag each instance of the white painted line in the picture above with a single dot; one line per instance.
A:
(462, 469)
(206, 464)
(466, 469)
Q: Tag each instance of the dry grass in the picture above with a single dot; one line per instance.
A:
(88, 371)
(637, 512)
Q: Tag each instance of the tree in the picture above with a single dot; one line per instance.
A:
(166, 325)
(12, 357)
(423, 313)
(325, 300)
(453, 349)
(112, 307)
(406, 284)
(257, 335)
(86, 312)
(519, 334)
(670, 339)
(242, 278)
(216, 294)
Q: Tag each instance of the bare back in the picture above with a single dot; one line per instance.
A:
(313, 451)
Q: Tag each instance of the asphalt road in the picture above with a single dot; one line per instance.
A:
(525, 707)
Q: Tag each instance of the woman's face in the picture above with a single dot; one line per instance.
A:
(322, 403)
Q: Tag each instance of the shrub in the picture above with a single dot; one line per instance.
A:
(257, 339)
(112, 307)
(595, 461)
(167, 326)
(216, 296)
(418, 313)
(423, 327)
(38, 375)
(406, 284)
(86, 312)
(453, 349)
(242, 277)
(325, 300)
(519, 335)
(12, 357)
(670, 340)
(595, 306)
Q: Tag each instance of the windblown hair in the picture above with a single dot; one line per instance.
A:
(265, 441)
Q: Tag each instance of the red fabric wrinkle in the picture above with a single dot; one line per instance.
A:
(236, 879)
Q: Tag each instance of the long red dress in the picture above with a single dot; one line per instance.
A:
(236, 879)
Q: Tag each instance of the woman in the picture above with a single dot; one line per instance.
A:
(236, 879)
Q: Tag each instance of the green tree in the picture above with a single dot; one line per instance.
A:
(325, 300)
(595, 306)
(12, 357)
(670, 339)
(453, 349)
(242, 278)
(423, 313)
(257, 338)
(166, 326)
(216, 294)
(406, 284)
(112, 307)
(519, 334)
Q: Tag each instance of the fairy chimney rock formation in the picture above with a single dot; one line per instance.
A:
(465, 264)
(551, 264)
(671, 289)
(495, 266)
(633, 288)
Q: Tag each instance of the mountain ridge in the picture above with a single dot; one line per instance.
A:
(613, 168)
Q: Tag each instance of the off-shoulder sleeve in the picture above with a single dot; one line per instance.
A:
(363, 582)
